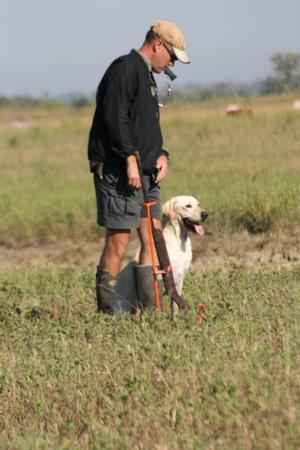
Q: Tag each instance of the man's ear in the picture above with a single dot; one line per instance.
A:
(156, 45)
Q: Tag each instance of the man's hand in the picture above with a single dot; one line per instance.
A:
(162, 168)
(133, 176)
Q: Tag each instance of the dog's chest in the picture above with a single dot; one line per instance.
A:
(180, 253)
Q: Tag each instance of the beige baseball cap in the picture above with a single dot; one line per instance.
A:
(170, 33)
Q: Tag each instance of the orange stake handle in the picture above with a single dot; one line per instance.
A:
(155, 282)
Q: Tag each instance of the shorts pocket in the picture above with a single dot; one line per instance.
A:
(116, 202)
(133, 206)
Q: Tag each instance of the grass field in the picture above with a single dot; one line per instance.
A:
(245, 171)
(72, 379)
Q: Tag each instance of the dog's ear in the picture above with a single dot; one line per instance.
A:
(168, 211)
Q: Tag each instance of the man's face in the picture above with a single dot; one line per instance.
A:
(163, 56)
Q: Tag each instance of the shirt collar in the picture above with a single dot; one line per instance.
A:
(145, 59)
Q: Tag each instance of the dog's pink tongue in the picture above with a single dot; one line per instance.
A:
(199, 229)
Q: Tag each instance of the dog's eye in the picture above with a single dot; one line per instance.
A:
(188, 206)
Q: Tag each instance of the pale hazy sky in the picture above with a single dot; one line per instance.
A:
(62, 46)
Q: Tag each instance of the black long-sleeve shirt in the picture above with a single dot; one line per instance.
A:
(126, 118)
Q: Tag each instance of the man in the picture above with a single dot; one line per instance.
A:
(127, 120)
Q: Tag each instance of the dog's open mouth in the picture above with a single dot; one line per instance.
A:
(193, 226)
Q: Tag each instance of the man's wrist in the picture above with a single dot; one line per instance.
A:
(163, 156)
(165, 153)
(130, 158)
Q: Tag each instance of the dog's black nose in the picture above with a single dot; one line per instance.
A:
(204, 215)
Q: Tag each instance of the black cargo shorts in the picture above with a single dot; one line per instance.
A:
(118, 205)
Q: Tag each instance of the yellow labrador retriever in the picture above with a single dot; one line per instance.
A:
(181, 215)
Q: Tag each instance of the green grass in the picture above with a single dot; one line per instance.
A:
(74, 379)
(244, 170)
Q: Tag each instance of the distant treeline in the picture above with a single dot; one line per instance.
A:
(197, 92)
(20, 100)
(75, 100)
(285, 78)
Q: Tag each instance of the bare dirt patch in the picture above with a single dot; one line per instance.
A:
(247, 249)
(209, 253)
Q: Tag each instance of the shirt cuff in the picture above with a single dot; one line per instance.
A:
(165, 153)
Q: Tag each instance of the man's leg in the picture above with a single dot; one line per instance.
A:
(116, 243)
(143, 232)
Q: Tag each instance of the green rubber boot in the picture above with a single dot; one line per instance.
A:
(105, 291)
(145, 287)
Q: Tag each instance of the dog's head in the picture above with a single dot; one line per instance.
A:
(185, 211)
